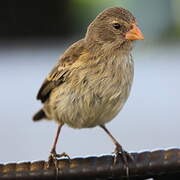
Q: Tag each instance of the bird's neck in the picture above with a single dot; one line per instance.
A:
(110, 48)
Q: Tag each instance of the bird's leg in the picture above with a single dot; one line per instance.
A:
(118, 149)
(53, 155)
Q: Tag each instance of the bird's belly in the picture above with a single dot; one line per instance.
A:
(92, 108)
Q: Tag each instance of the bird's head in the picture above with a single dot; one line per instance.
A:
(115, 26)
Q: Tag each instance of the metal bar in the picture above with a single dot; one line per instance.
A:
(159, 164)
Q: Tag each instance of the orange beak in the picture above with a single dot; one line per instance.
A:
(134, 34)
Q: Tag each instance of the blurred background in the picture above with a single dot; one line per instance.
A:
(33, 34)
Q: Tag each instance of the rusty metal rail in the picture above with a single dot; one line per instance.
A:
(159, 164)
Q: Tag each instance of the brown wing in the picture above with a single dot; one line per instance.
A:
(60, 71)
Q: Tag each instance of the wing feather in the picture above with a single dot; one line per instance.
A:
(58, 74)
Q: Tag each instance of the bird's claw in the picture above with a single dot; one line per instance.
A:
(119, 152)
(63, 155)
(53, 157)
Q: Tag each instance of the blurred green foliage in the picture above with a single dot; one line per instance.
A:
(160, 20)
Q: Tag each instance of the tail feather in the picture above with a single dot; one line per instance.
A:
(39, 115)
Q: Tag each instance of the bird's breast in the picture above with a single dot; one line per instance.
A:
(96, 93)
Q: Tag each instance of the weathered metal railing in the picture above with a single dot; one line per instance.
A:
(159, 164)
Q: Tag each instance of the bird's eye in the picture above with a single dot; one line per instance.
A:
(116, 25)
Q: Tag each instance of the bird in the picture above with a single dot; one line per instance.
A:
(92, 80)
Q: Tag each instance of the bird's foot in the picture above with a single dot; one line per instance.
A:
(119, 152)
(53, 158)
